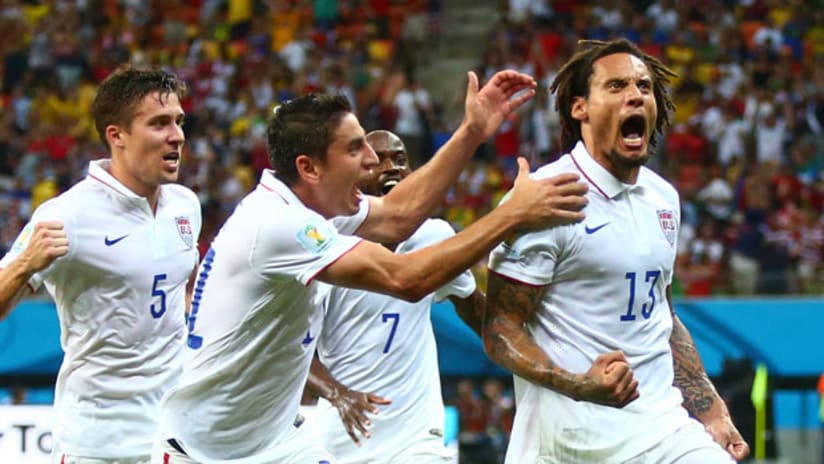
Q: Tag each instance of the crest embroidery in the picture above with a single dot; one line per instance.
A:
(184, 228)
(667, 220)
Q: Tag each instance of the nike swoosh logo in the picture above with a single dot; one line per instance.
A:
(592, 230)
(113, 241)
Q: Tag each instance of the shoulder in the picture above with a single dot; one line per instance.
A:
(77, 199)
(436, 227)
(181, 193)
(652, 180)
(560, 166)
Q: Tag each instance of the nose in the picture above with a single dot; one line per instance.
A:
(177, 137)
(634, 96)
(370, 159)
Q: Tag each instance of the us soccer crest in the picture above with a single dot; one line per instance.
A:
(667, 220)
(184, 228)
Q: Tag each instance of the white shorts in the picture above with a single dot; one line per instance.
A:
(63, 458)
(423, 447)
(300, 446)
(690, 444)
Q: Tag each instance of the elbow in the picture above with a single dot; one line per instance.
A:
(490, 340)
(410, 289)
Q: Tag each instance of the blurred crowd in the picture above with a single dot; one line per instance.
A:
(746, 151)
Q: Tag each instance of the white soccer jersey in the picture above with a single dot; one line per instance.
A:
(256, 312)
(379, 344)
(607, 278)
(120, 296)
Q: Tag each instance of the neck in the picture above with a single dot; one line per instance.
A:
(310, 199)
(122, 174)
(622, 170)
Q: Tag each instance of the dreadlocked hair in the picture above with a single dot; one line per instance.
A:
(573, 79)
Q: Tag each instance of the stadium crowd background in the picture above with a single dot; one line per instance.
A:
(746, 152)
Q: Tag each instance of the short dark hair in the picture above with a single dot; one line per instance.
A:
(574, 77)
(119, 95)
(303, 126)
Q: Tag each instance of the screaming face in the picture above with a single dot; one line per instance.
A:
(393, 163)
(618, 117)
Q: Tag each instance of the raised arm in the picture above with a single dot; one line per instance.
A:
(510, 305)
(395, 216)
(534, 203)
(352, 405)
(700, 397)
(47, 243)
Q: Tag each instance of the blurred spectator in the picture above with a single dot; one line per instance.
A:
(475, 445)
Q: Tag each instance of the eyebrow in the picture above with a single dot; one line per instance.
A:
(355, 143)
(625, 79)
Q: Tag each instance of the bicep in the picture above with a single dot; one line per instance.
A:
(511, 301)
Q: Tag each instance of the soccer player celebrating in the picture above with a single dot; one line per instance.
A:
(372, 342)
(115, 252)
(581, 313)
(256, 310)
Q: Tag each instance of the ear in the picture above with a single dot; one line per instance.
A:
(114, 135)
(307, 168)
(579, 109)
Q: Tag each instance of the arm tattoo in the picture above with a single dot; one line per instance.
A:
(508, 342)
(690, 376)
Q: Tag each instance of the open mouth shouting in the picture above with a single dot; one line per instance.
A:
(389, 183)
(633, 131)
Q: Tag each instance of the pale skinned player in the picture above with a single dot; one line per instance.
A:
(256, 310)
(115, 252)
(375, 343)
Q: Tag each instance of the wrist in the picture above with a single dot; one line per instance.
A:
(469, 136)
(23, 267)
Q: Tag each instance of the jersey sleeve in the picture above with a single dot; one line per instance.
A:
(49, 211)
(301, 247)
(349, 224)
(530, 258)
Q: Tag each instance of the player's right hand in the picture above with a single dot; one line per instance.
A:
(352, 407)
(609, 381)
(47, 243)
(547, 202)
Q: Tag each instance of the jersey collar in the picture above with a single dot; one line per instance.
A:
(99, 171)
(270, 183)
(603, 181)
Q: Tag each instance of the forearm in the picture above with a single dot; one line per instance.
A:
(700, 397)
(508, 342)
(13, 286)
(425, 270)
(420, 195)
(513, 348)
(321, 383)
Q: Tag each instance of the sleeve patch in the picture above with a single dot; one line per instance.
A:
(23, 239)
(316, 238)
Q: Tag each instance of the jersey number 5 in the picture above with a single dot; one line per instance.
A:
(158, 309)
(651, 278)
